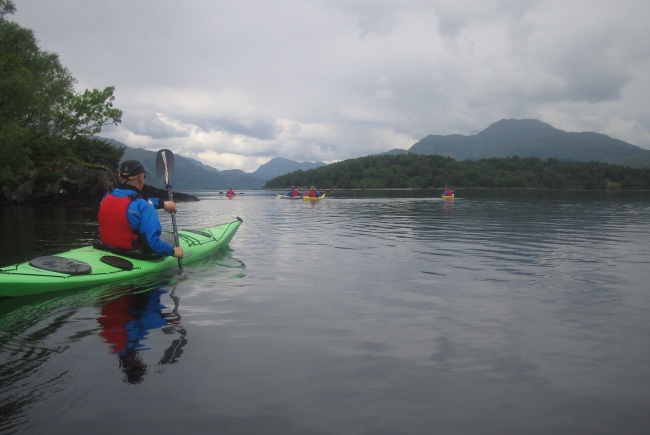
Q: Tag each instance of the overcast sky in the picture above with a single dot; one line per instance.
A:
(236, 83)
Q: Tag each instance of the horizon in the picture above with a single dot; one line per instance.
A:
(353, 157)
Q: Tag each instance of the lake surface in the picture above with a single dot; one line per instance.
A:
(388, 313)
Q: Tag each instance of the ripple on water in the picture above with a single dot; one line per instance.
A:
(352, 315)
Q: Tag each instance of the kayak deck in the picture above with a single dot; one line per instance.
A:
(25, 279)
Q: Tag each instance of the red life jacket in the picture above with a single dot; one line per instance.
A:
(114, 228)
(295, 192)
(312, 193)
(113, 318)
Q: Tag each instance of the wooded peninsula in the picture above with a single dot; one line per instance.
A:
(47, 127)
(435, 171)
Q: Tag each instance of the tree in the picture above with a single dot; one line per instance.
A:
(85, 114)
(6, 7)
(389, 171)
(41, 113)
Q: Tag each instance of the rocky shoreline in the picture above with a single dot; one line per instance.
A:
(69, 184)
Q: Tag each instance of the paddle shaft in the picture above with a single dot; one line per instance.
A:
(171, 198)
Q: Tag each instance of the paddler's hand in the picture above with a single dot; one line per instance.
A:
(169, 206)
(178, 252)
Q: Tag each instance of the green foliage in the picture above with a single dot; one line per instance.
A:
(14, 155)
(97, 151)
(434, 171)
(42, 116)
(6, 7)
(85, 114)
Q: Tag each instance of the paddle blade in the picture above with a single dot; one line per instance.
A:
(164, 165)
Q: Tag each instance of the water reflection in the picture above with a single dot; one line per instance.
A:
(37, 331)
(29, 231)
(373, 315)
(126, 323)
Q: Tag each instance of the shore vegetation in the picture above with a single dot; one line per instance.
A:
(435, 171)
(43, 118)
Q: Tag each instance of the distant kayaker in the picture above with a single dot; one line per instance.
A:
(313, 193)
(128, 220)
(230, 192)
(293, 192)
(448, 192)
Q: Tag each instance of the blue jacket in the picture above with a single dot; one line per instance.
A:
(143, 218)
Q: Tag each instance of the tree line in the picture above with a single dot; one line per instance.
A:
(435, 171)
(43, 118)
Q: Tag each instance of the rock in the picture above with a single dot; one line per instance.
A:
(24, 189)
(69, 183)
(153, 192)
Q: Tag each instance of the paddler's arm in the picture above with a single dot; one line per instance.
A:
(169, 206)
(178, 252)
(143, 217)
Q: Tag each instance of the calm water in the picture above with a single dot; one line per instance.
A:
(387, 313)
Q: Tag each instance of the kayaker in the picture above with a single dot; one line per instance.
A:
(293, 192)
(313, 193)
(129, 221)
(230, 192)
(448, 192)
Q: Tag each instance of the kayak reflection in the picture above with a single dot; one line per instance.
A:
(127, 322)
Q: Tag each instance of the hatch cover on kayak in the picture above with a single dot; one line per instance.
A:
(53, 263)
(120, 263)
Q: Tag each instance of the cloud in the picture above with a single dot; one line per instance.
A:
(153, 126)
(253, 128)
(240, 82)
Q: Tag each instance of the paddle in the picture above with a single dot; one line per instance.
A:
(164, 169)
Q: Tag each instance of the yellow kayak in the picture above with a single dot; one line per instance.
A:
(447, 197)
(313, 198)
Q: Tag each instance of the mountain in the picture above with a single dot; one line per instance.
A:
(270, 169)
(206, 167)
(189, 174)
(281, 166)
(533, 138)
(395, 151)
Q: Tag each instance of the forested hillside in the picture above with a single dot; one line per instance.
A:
(434, 171)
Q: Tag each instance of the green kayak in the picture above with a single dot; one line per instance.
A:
(98, 264)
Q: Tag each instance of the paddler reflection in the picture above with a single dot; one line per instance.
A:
(127, 323)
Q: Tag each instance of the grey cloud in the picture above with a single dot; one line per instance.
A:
(591, 73)
(373, 16)
(595, 85)
(153, 127)
(454, 66)
(254, 128)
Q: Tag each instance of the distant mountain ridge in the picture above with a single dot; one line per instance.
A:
(280, 166)
(532, 138)
(191, 174)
